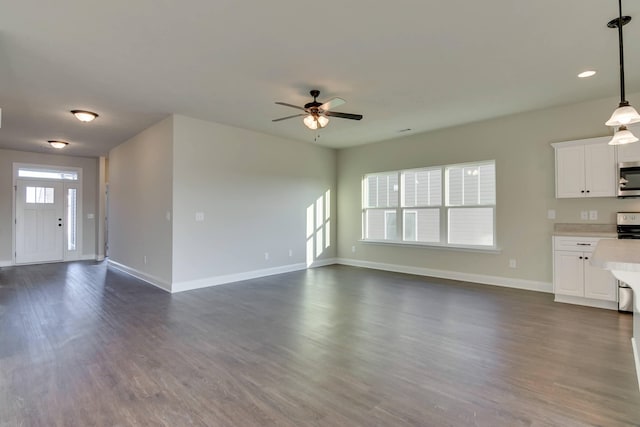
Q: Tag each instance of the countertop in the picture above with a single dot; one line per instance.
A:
(585, 230)
(621, 255)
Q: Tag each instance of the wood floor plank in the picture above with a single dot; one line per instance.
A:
(85, 345)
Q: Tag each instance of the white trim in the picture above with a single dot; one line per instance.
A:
(88, 257)
(236, 277)
(530, 285)
(6, 263)
(568, 299)
(323, 262)
(578, 142)
(99, 258)
(636, 355)
(155, 281)
(426, 245)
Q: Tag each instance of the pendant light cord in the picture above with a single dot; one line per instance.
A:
(623, 101)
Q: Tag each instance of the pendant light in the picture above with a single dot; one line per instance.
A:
(625, 114)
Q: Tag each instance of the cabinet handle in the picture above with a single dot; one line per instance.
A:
(586, 257)
(583, 244)
(582, 191)
(580, 257)
(588, 191)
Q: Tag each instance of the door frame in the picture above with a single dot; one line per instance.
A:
(66, 184)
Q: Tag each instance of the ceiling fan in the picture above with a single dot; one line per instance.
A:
(316, 113)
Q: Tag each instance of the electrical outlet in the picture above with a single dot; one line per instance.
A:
(512, 263)
(584, 215)
(353, 248)
(290, 252)
(266, 256)
(199, 216)
(593, 215)
(145, 259)
(551, 214)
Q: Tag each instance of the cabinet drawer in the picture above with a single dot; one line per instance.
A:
(584, 244)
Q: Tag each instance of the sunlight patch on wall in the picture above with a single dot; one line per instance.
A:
(318, 227)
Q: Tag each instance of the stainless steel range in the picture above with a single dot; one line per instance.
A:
(628, 226)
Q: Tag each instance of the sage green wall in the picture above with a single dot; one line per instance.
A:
(520, 144)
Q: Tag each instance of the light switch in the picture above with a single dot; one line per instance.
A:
(593, 215)
(199, 216)
(584, 215)
(551, 214)
(90, 216)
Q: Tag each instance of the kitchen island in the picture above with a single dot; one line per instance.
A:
(622, 258)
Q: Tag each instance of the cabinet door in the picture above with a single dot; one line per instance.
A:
(568, 273)
(629, 152)
(570, 171)
(600, 170)
(598, 283)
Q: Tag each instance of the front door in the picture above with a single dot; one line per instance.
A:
(39, 221)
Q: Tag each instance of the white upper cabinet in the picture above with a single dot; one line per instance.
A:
(585, 168)
(630, 152)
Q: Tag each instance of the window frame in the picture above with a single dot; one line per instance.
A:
(444, 208)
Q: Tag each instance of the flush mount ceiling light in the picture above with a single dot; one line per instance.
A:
(587, 73)
(84, 116)
(625, 113)
(58, 144)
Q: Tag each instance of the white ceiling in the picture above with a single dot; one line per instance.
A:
(404, 64)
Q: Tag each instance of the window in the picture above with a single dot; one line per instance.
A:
(39, 195)
(47, 174)
(452, 205)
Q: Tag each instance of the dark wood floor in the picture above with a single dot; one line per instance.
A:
(85, 345)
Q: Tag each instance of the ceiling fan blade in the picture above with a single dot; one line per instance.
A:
(290, 105)
(288, 117)
(332, 103)
(343, 115)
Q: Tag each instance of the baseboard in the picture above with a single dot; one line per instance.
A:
(323, 262)
(567, 299)
(530, 285)
(155, 281)
(238, 277)
(636, 356)
(88, 257)
(8, 263)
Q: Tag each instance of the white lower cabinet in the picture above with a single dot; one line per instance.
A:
(575, 280)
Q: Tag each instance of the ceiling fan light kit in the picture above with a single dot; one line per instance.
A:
(625, 114)
(316, 114)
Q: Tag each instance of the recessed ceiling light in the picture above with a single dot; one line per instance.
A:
(587, 73)
(84, 116)
(58, 144)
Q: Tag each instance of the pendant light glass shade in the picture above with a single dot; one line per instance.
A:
(315, 122)
(623, 136)
(623, 115)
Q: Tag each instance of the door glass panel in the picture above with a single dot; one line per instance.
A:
(72, 208)
(39, 195)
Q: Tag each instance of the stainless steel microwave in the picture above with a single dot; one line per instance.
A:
(629, 179)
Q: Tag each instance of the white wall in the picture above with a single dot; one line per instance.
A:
(89, 196)
(520, 144)
(140, 196)
(254, 191)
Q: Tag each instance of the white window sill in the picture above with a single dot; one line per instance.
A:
(459, 248)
